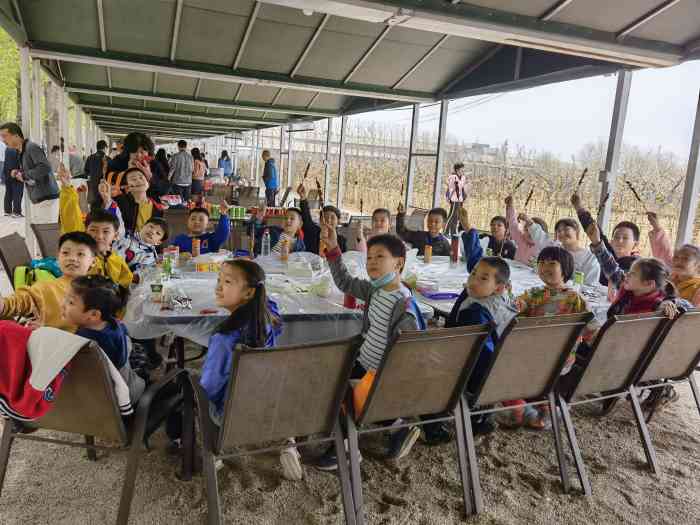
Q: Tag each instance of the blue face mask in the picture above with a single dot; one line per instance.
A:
(382, 281)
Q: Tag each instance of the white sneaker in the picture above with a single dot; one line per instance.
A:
(291, 464)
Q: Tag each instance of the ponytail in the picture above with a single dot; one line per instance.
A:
(652, 269)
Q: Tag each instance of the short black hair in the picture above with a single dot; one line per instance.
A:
(391, 242)
(162, 224)
(79, 238)
(500, 265)
(101, 216)
(439, 211)
(102, 294)
(55, 149)
(632, 226)
(199, 210)
(560, 255)
(458, 166)
(101, 144)
(135, 140)
(382, 210)
(181, 144)
(568, 221)
(297, 210)
(332, 209)
(13, 128)
(499, 218)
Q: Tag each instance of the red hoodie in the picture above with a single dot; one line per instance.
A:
(628, 303)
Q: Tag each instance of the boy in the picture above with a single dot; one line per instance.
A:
(312, 232)
(135, 206)
(624, 246)
(567, 231)
(531, 239)
(420, 239)
(42, 300)
(381, 224)
(197, 224)
(498, 244)
(291, 232)
(139, 249)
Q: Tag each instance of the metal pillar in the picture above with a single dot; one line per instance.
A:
(440, 154)
(689, 203)
(612, 160)
(290, 158)
(36, 130)
(79, 130)
(327, 159)
(25, 109)
(254, 161)
(341, 161)
(408, 197)
(280, 168)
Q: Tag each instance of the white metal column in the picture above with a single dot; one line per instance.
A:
(408, 197)
(327, 159)
(255, 161)
(612, 159)
(440, 153)
(36, 103)
(25, 108)
(290, 158)
(689, 203)
(341, 162)
(78, 129)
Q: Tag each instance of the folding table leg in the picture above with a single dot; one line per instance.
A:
(213, 503)
(575, 450)
(558, 445)
(643, 431)
(355, 474)
(472, 462)
(344, 475)
(694, 389)
(463, 468)
(5, 448)
(91, 452)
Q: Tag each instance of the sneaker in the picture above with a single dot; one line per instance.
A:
(291, 464)
(329, 461)
(483, 424)
(436, 434)
(401, 442)
(17, 215)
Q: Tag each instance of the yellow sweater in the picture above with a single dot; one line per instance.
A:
(114, 266)
(41, 300)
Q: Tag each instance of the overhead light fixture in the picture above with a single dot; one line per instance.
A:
(400, 17)
(307, 12)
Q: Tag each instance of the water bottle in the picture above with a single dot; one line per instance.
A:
(266, 249)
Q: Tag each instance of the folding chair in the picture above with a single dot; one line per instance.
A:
(248, 196)
(275, 394)
(13, 253)
(86, 404)
(416, 221)
(621, 347)
(421, 373)
(177, 220)
(47, 235)
(527, 362)
(675, 359)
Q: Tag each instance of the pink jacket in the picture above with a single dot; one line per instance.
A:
(527, 249)
(457, 188)
(661, 249)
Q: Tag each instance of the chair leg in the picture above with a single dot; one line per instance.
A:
(91, 452)
(558, 445)
(213, 502)
(643, 431)
(132, 465)
(575, 449)
(694, 389)
(5, 448)
(462, 459)
(344, 475)
(472, 462)
(355, 474)
(188, 433)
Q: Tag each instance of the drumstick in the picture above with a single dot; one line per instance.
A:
(580, 180)
(529, 196)
(636, 195)
(362, 207)
(603, 203)
(306, 171)
(320, 193)
(517, 186)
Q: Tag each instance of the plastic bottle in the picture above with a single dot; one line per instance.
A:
(266, 249)
(196, 247)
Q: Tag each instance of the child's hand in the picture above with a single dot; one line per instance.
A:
(329, 236)
(576, 201)
(522, 216)
(593, 233)
(464, 219)
(144, 167)
(653, 220)
(33, 324)
(670, 309)
(301, 190)
(509, 201)
(400, 208)
(105, 191)
(64, 175)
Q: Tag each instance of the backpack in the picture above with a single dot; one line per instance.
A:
(38, 270)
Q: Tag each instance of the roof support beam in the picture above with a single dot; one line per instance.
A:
(555, 9)
(420, 62)
(313, 100)
(18, 13)
(10, 22)
(367, 53)
(309, 45)
(646, 17)
(101, 25)
(197, 88)
(135, 119)
(689, 204)
(136, 95)
(246, 35)
(154, 128)
(176, 30)
(211, 72)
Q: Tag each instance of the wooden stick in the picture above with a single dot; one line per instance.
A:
(306, 171)
(602, 204)
(580, 180)
(529, 196)
(517, 186)
(636, 195)
(320, 192)
(362, 207)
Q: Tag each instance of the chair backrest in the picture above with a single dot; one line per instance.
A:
(86, 403)
(277, 393)
(619, 348)
(222, 191)
(416, 221)
(423, 373)
(248, 196)
(13, 253)
(679, 352)
(177, 221)
(529, 357)
(47, 235)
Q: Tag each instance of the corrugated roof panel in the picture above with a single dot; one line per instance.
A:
(412, 37)
(239, 7)
(529, 7)
(173, 85)
(125, 79)
(679, 25)
(127, 102)
(389, 61)
(604, 14)
(92, 99)
(253, 114)
(326, 101)
(140, 27)
(57, 22)
(258, 94)
(218, 90)
(288, 16)
(442, 66)
(295, 98)
(84, 74)
(209, 37)
(160, 106)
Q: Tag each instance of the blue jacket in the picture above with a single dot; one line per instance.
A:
(216, 371)
(473, 252)
(210, 242)
(112, 340)
(227, 166)
(270, 177)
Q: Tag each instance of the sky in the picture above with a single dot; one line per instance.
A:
(560, 118)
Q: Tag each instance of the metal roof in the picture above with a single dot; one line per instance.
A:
(203, 67)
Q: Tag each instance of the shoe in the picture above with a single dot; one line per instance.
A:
(17, 215)
(483, 424)
(329, 461)
(401, 442)
(291, 464)
(436, 434)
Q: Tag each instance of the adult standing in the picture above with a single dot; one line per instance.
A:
(35, 173)
(94, 168)
(270, 179)
(159, 184)
(14, 189)
(226, 164)
(199, 171)
(75, 162)
(181, 168)
(457, 187)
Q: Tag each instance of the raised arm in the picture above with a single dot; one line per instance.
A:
(608, 264)
(70, 216)
(359, 288)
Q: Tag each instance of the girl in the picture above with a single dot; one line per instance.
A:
(199, 170)
(381, 225)
(567, 232)
(457, 188)
(533, 236)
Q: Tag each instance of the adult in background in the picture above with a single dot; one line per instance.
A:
(159, 184)
(457, 187)
(95, 171)
(270, 179)
(226, 164)
(75, 162)
(14, 189)
(136, 150)
(181, 168)
(199, 171)
(55, 158)
(34, 173)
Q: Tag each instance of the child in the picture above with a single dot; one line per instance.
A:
(381, 225)
(91, 304)
(567, 232)
(292, 232)
(197, 224)
(473, 251)
(312, 232)
(42, 300)
(624, 246)
(135, 206)
(420, 239)
(390, 308)
(254, 321)
(533, 236)
(139, 248)
(684, 262)
(499, 245)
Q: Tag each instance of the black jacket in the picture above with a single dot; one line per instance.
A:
(129, 209)
(312, 231)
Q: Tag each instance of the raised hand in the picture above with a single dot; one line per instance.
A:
(105, 191)
(593, 233)
(301, 190)
(576, 201)
(329, 236)
(224, 207)
(400, 208)
(653, 220)
(64, 175)
(524, 217)
(670, 309)
(144, 166)
(509, 201)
